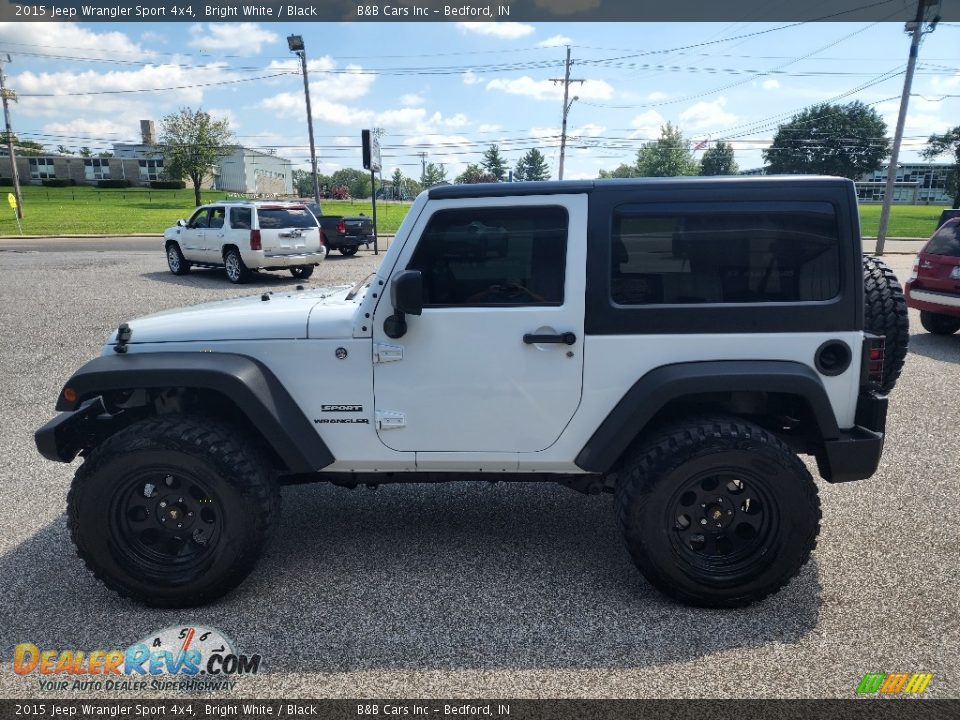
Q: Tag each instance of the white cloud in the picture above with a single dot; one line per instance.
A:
(56, 101)
(288, 104)
(502, 30)
(547, 90)
(97, 134)
(225, 114)
(555, 41)
(707, 116)
(647, 125)
(242, 38)
(411, 99)
(344, 141)
(923, 117)
(770, 84)
(489, 128)
(327, 80)
(152, 37)
(81, 41)
(456, 121)
(657, 95)
(471, 78)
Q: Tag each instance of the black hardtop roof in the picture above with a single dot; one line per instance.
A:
(574, 187)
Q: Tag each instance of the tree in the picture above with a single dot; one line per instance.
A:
(474, 174)
(64, 150)
(846, 140)
(85, 152)
(192, 142)
(718, 160)
(667, 156)
(302, 183)
(434, 175)
(397, 181)
(105, 154)
(27, 147)
(533, 166)
(621, 171)
(520, 171)
(494, 163)
(938, 145)
(358, 182)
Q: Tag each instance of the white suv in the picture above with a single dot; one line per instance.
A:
(244, 237)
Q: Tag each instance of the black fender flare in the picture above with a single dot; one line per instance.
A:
(247, 382)
(658, 387)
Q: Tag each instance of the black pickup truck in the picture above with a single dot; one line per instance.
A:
(345, 234)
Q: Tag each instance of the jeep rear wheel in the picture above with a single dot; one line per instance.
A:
(237, 272)
(175, 261)
(717, 512)
(885, 313)
(173, 511)
(939, 324)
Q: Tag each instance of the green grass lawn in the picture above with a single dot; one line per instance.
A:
(913, 221)
(90, 211)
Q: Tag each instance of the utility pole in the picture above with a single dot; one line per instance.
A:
(423, 165)
(567, 104)
(295, 43)
(9, 95)
(917, 33)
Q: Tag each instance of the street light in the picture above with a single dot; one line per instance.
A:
(295, 43)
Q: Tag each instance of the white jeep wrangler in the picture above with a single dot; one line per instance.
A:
(675, 342)
(245, 236)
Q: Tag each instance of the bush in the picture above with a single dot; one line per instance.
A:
(167, 184)
(58, 182)
(113, 183)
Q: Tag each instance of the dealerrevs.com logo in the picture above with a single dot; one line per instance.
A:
(901, 683)
(190, 658)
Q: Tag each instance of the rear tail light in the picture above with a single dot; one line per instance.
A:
(916, 268)
(342, 227)
(255, 240)
(873, 355)
(323, 239)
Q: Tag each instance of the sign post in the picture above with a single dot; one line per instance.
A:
(371, 162)
(12, 199)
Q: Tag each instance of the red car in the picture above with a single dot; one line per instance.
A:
(934, 284)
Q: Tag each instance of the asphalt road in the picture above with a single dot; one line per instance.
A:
(467, 590)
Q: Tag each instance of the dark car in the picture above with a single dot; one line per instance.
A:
(934, 284)
(345, 234)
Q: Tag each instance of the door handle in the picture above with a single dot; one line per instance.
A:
(567, 338)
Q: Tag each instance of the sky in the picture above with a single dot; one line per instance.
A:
(451, 89)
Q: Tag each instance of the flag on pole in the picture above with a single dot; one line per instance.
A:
(701, 145)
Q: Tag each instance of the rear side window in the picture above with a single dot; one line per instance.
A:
(240, 218)
(280, 218)
(946, 241)
(710, 255)
(493, 256)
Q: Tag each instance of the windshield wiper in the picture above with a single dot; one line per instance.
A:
(360, 286)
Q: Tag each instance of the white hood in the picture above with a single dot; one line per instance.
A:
(284, 315)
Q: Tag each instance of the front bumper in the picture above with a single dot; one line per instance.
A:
(855, 455)
(63, 437)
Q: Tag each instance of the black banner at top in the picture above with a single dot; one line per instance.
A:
(472, 10)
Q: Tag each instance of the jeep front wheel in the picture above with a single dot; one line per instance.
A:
(173, 511)
(717, 512)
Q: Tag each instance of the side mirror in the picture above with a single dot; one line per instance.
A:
(181, 223)
(406, 295)
(406, 292)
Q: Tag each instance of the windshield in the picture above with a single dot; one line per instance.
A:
(360, 286)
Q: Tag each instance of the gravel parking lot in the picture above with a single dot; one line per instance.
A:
(469, 590)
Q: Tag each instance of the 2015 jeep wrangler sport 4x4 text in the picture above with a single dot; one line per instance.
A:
(674, 342)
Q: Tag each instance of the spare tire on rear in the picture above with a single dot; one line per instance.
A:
(885, 313)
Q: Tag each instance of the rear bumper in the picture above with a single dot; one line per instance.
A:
(932, 301)
(855, 455)
(339, 241)
(285, 260)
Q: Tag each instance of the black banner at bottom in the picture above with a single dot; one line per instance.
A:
(193, 709)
